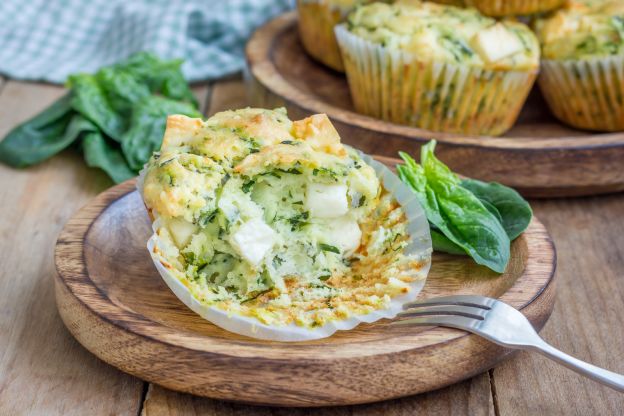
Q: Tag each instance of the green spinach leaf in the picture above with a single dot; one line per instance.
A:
(119, 113)
(455, 211)
(90, 100)
(162, 76)
(40, 137)
(147, 127)
(492, 209)
(98, 153)
(443, 244)
(121, 88)
(514, 211)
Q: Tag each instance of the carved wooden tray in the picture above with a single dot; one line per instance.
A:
(114, 302)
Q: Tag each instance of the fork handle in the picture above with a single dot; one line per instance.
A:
(606, 377)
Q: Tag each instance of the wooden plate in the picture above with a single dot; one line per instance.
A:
(113, 301)
(539, 156)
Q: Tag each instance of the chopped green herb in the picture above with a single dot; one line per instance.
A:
(362, 201)
(206, 217)
(320, 286)
(298, 220)
(277, 261)
(327, 247)
(292, 171)
(325, 171)
(256, 296)
(247, 186)
(166, 162)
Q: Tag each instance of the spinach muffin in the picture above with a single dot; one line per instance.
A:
(275, 221)
(438, 67)
(317, 19)
(502, 8)
(582, 74)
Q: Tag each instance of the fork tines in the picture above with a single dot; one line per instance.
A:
(462, 311)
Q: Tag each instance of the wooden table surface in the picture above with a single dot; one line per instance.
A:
(44, 371)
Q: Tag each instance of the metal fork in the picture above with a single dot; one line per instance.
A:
(499, 323)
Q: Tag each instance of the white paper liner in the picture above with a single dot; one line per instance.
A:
(420, 246)
(396, 86)
(586, 94)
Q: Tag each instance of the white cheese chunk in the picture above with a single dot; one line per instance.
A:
(343, 233)
(326, 201)
(496, 43)
(181, 231)
(253, 240)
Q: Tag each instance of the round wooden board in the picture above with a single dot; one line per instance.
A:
(112, 299)
(539, 156)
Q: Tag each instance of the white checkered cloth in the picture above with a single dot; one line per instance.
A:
(50, 39)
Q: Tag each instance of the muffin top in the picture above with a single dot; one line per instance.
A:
(435, 32)
(583, 30)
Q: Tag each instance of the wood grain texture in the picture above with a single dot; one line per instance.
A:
(588, 320)
(201, 90)
(470, 398)
(113, 301)
(226, 95)
(544, 159)
(43, 370)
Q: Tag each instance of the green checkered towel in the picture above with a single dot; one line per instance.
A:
(50, 39)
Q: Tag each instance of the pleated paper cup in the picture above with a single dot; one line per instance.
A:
(317, 19)
(586, 94)
(500, 8)
(419, 248)
(395, 86)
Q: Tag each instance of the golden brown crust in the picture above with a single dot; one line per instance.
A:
(179, 128)
(320, 134)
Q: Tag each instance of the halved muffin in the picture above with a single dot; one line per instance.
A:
(437, 67)
(582, 74)
(265, 218)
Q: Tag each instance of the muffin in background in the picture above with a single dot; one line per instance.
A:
(317, 19)
(502, 8)
(458, 3)
(437, 67)
(582, 76)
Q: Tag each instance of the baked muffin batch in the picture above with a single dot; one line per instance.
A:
(582, 74)
(467, 66)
